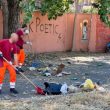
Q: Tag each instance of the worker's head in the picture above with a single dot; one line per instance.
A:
(20, 33)
(46, 84)
(25, 29)
(24, 26)
(14, 38)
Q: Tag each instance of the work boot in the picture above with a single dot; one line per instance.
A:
(13, 91)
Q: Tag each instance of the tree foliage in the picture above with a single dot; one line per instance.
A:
(53, 8)
(28, 7)
(103, 10)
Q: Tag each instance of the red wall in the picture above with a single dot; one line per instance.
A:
(53, 35)
(98, 34)
(102, 35)
(79, 44)
(57, 35)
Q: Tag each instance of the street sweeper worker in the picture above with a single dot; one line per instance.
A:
(7, 48)
(22, 32)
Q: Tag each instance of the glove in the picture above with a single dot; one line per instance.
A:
(27, 32)
(30, 43)
(1, 54)
(10, 63)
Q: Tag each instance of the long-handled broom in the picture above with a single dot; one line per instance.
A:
(37, 88)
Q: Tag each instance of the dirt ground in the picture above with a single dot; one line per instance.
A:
(81, 66)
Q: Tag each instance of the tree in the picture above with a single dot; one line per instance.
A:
(103, 7)
(5, 17)
(14, 15)
(28, 7)
(11, 13)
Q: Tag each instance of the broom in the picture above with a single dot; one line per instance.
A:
(37, 88)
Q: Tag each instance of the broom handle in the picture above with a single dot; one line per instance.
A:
(21, 73)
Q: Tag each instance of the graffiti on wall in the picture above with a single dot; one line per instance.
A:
(47, 28)
(44, 28)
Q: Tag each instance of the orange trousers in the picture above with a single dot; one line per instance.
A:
(11, 71)
(21, 57)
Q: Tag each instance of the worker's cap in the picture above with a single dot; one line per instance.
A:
(20, 33)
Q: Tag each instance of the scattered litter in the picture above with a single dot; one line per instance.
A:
(77, 84)
(59, 75)
(52, 88)
(99, 88)
(69, 62)
(76, 73)
(63, 73)
(47, 74)
(89, 84)
(50, 65)
(24, 93)
(37, 64)
(73, 89)
(66, 73)
(64, 89)
(7, 97)
(54, 69)
(32, 68)
(33, 90)
(60, 68)
(46, 69)
(74, 78)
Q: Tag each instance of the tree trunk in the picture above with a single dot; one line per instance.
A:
(74, 26)
(5, 18)
(14, 15)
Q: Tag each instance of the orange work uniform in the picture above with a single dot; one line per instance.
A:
(7, 49)
(20, 43)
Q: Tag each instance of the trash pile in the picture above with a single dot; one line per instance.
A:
(48, 70)
(87, 86)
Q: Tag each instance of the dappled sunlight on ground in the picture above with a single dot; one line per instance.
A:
(81, 66)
